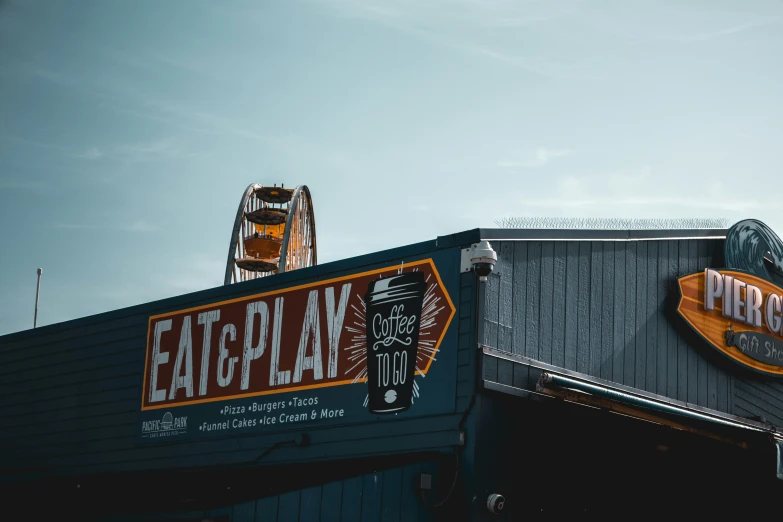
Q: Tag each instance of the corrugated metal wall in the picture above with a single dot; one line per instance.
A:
(603, 308)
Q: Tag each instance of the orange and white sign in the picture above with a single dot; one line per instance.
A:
(737, 313)
(304, 337)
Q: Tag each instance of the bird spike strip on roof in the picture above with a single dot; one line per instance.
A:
(612, 223)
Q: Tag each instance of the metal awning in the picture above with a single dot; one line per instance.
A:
(551, 382)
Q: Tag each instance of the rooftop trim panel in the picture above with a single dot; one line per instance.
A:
(535, 234)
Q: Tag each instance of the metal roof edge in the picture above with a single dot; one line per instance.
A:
(466, 237)
(534, 234)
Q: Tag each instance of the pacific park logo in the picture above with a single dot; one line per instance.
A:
(167, 426)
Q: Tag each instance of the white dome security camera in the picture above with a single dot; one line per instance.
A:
(483, 258)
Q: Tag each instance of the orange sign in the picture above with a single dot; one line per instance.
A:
(739, 314)
(304, 337)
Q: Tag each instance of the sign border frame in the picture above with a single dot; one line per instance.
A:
(281, 291)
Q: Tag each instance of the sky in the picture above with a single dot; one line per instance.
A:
(129, 130)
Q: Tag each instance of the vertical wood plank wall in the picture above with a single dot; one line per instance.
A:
(604, 308)
(380, 496)
(383, 496)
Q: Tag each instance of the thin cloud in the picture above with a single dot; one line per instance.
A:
(156, 117)
(729, 29)
(52, 76)
(122, 97)
(524, 21)
(127, 99)
(422, 18)
(158, 60)
(21, 184)
(722, 32)
(604, 203)
(139, 152)
(534, 65)
(477, 13)
(163, 149)
(222, 123)
(718, 25)
(630, 189)
(534, 159)
(74, 226)
(139, 225)
(37, 144)
(92, 153)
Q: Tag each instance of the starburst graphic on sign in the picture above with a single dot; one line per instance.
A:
(432, 305)
(358, 347)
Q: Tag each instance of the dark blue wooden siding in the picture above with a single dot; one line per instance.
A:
(467, 345)
(69, 394)
(604, 308)
(380, 496)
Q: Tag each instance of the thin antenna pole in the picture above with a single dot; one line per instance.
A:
(37, 291)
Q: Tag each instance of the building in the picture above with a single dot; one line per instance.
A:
(593, 373)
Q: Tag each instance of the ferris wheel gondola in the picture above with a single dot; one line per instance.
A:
(274, 232)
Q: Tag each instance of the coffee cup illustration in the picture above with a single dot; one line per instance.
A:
(393, 308)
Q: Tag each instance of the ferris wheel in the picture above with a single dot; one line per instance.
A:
(274, 232)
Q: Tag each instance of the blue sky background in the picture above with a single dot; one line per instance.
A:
(128, 130)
